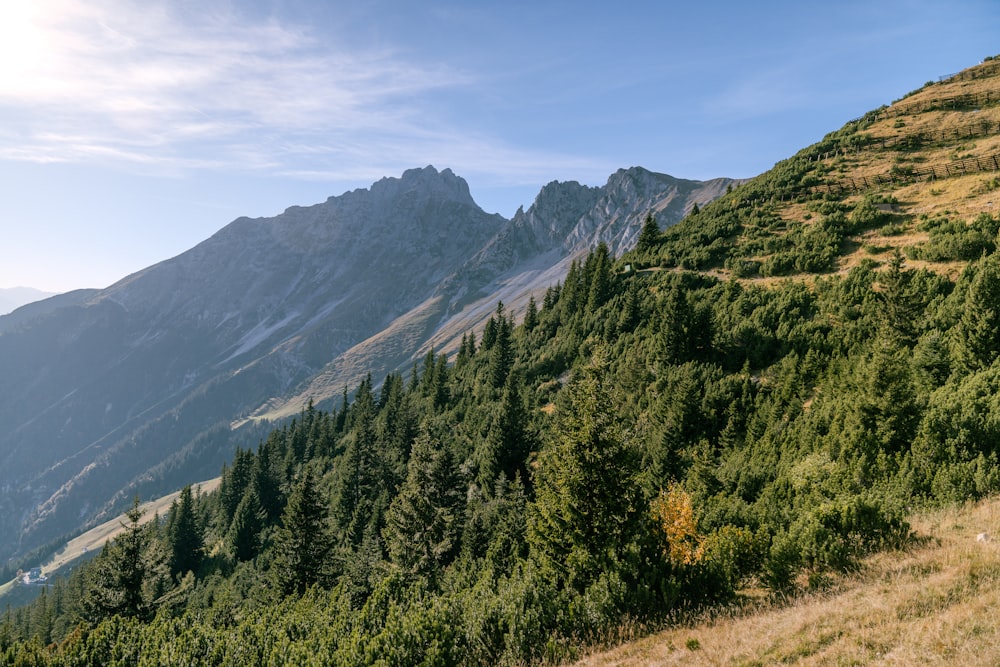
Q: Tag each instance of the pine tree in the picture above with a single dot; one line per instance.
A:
(531, 314)
(649, 237)
(117, 581)
(243, 538)
(585, 509)
(422, 523)
(184, 537)
(303, 542)
(979, 326)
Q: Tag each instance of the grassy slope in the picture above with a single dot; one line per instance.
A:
(934, 604)
(962, 197)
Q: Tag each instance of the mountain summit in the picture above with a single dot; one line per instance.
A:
(140, 387)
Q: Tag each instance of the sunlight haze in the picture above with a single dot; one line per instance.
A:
(131, 131)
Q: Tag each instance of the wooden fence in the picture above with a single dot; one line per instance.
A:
(970, 165)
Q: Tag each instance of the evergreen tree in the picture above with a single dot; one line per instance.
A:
(243, 538)
(628, 316)
(117, 581)
(585, 511)
(303, 543)
(531, 314)
(423, 521)
(571, 295)
(267, 482)
(676, 326)
(649, 237)
(440, 393)
(551, 298)
(502, 350)
(901, 303)
(504, 450)
(184, 536)
(489, 334)
(364, 479)
(597, 269)
(979, 326)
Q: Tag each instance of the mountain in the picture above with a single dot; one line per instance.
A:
(780, 399)
(12, 298)
(153, 381)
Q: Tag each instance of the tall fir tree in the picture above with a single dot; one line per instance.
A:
(585, 512)
(502, 351)
(979, 326)
(244, 534)
(118, 581)
(184, 535)
(531, 314)
(504, 451)
(649, 237)
(422, 524)
(303, 543)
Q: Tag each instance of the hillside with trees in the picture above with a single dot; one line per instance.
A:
(758, 397)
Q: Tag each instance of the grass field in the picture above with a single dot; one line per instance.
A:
(935, 603)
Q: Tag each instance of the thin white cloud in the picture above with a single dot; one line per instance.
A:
(146, 84)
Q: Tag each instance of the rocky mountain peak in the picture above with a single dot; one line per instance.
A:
(428, 182)
(266, 315)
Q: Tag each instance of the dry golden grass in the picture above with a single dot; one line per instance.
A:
(962, 197)
(934, 604)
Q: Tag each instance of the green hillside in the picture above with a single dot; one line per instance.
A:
(749, 404)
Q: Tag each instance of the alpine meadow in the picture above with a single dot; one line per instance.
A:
(735, 413)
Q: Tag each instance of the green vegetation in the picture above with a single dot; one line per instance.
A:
(709, 434)
(644, 444)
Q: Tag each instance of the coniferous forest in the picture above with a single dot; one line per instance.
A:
(656, 434)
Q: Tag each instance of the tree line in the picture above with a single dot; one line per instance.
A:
(641, 445)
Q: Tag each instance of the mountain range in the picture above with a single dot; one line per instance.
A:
(152, 382)
(12, 298)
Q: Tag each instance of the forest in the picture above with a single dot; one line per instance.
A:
(716, 411)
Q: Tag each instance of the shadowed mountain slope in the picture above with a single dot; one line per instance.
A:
(136, 388)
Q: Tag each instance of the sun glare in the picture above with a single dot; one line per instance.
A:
(22, 43)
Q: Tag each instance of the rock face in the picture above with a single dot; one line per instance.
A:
(137, 388)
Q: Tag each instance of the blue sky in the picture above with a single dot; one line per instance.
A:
(130, 130)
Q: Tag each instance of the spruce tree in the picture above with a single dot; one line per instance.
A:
(422, 523)
(649, 237)
(243, 538)
(901, 304)
(184, 537)
(267, 483)
(597, 269)
(502, 350)
(531, 314)
(116, 580)
(585, 511)
(303, 542)
(676, 327)
(979, 326)
(504, 450)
